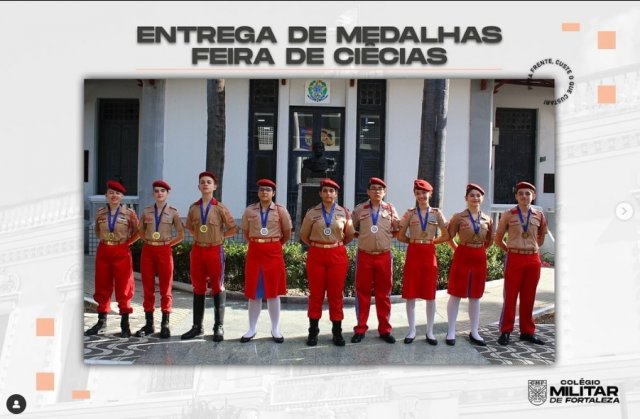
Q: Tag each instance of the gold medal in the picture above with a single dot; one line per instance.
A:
(204, 228)
(525, 235)
(111, 236)
(155, 235)
(423, 234)
(476, 238)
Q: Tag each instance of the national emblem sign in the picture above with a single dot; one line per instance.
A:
(317, 91)
(537, 392)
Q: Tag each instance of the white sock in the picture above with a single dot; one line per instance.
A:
(474, 317)
(255, 306)
(452, 315)
(411, 317)
(273, 304)
(431, 316)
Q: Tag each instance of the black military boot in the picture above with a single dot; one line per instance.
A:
(338, 340)
(165, 333)
(312, 339)
(148, 328)
(124, 326)
(98, 327)
(198, 313)
(219, 301)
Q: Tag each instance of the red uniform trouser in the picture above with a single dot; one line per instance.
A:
(114, 269)
(373, 272)
(156, 260)
(326, 272)
(521, 276)
(207, 263)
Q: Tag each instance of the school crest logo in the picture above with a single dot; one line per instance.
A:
(537, 392)
(317, 91)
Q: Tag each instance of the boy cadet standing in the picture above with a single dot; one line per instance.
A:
(376, 223)
(209, 222)
(525, 227)
(156, 229)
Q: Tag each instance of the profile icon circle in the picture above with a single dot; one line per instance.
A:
(16, 404)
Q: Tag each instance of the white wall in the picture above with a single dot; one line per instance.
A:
(456, 175)
(94, 90)
(510, 96)
(404, 110)
(236, 145)
(185, 139)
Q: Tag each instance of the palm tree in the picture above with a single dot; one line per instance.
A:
(216, 130)
(435, 98)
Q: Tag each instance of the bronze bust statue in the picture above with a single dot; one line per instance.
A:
(317, 166)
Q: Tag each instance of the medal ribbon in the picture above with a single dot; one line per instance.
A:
(327, 220)
(475, 223)
(374, 218)
(423, 223)
(157, 218)
(111, 221)
(203, 215)
(263, 218)
(525, 227)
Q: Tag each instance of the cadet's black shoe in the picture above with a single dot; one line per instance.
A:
(357, 337)
(433, 342)
(504, 338)
(99, 326)
(531, 338)
(387, 337)
(165, 333)
(408, 340)
(218, 333)
(245, 339)
(450, 342)
(196, 330)
(479, 342)
(125, 331)
(278, 339)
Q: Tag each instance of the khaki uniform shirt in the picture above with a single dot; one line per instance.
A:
(125, 226)
(461, 224)
(388, 224)
(169, 218)
(313, 225)
(218, 218)
(278, 221)
(510, 222)
(411, 220)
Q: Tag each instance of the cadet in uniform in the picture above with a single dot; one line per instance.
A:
(209, 222)
(266, 227)
(156, 229)
(420, 272)
(116, 228)
(468, 273)
(376, 224)
(326, 228)
(525, 228)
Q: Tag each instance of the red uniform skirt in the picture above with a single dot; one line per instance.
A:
(265, 275)
(468, 273)
(420, 272)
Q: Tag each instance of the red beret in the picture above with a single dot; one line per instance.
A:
(330, 183)
(116, 186)
(472, 186)
(266, 182)
(422, 185)
(525, 185)
(377, 181)
(161, 184)
(211, 175)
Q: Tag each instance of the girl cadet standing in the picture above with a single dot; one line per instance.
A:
(421, 266)
(156, 229)
(468, 272)
(326, 228)
(116, 228)
(526, 228)
(209, 222)
(266, 227)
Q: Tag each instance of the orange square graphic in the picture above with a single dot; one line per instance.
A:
(80, 394)
(44, 381)
(607, 94)
(44, 326)
(571, 27)
(607, 40)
